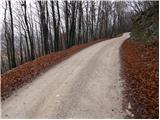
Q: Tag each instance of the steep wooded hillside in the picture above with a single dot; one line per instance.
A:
(145, 25)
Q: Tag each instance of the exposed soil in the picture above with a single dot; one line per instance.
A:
(140, 70)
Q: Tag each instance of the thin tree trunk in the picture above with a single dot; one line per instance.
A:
(58, 28)
(66, 23)
(12, 38)
(44, 24)
(80, 22)
(21, 48)
(7, 40)
(56, 32)
(73, 23)
(28, 31)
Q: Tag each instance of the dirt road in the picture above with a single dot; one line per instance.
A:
(87, 85)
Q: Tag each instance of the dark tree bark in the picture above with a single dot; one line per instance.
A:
(28, 55)
(7, 39)
(98, 21)
(38, 40)
(25, 53)
(67, 23)
(87, 22)
(20, 44)
(49, 30)
(28, 31)
(13, 58)
(92, 18)
(80, 22)
(106, 18)
(27, 45)
(73, 23)
(44, 24)
(58, 28)
(55, 27)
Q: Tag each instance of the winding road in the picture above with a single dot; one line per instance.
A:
(86, 85)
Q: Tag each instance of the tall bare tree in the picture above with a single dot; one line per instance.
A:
(13, 58)
(28, 31)
(44, 25)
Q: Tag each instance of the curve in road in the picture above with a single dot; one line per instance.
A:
(87, 85)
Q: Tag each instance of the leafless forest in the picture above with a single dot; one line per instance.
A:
(79, 59)
(33, 29)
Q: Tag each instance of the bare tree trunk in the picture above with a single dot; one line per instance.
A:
(25, 53)
(12, 38)
(7, 39)
(92, 18)
(98, 20)
(80, 22)
(87, 22)
(106, 18)
(56, 30)
(44, 24)
(73, 23)
(21, 48)
(50, 32)
(67, 22)
(29, 35)
(28, 51)
(38, 40)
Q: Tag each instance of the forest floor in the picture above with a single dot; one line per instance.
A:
(140, 66)
(86, 85)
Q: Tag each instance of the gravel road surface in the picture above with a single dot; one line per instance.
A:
(86, 85)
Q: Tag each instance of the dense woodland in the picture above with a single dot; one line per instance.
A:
(33, 29)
